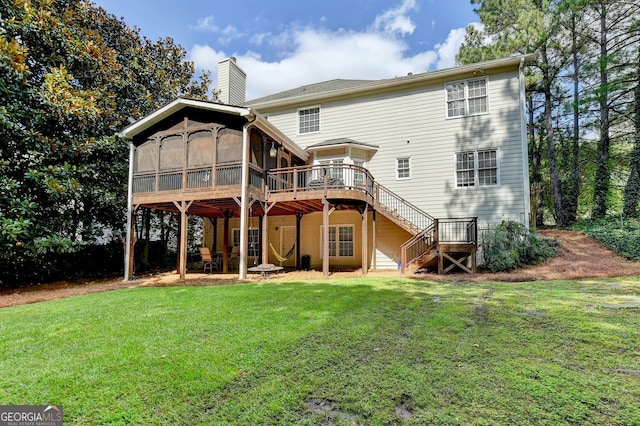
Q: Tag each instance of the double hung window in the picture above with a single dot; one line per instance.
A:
(468, 97)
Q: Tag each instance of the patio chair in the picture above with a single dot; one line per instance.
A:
(208, 261)
(234, 256)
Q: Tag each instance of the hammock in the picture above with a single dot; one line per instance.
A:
(286, 256)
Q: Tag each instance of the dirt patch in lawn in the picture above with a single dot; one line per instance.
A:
(580, 257)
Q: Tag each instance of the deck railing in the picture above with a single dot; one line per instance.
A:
(203, 177)
(320, 176)
(462, 231)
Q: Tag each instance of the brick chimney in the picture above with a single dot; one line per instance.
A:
(232, 82)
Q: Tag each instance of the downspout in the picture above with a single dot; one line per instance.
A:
(244, 203)
(127, 247)
(525, 152)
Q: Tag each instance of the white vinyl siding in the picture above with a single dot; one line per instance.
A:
(431, 142)
(477, 168)
(468, 97)
(309, 120)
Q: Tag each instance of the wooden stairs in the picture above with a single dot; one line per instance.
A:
(442, 244)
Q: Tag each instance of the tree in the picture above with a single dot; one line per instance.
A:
(632, 188)
(71, 75)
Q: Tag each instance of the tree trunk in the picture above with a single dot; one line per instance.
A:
(601, 183)
(632, 189)
(547, 82)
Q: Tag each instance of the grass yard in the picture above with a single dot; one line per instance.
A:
(364, 351)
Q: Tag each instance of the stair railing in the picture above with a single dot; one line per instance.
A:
(418, 245)
(401, 209)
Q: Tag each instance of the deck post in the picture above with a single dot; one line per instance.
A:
(298, 220)
(365, 239)
(128, 267)
(325, 236)
(244, 202)
(182, 206)
(374, 263)
(225, 243)
(214, 224)
(265, 237)
(183, 240)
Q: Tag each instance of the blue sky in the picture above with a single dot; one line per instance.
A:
(283, 44)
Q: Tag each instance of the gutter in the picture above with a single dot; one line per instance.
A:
(525, 153)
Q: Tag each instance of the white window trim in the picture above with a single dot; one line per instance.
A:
(337, 256)
(256, 249)
(466, 98)
(397, 169)
(476, 184)
(298, 119)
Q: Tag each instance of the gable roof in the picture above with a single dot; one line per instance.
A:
(310, 89)
(341, 88)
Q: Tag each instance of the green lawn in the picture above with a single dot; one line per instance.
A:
(365, 351)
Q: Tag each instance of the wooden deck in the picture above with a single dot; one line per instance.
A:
(215, 192)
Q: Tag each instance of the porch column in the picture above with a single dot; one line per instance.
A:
(365, 239)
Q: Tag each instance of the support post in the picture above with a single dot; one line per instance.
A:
(127, 246)
(325, 236)
(374, 249)
(265, 237)
(183, 240)
(298, 250)
(183, 207)
(214, 224)
(244, 205)
(365, 239)
(225, 242)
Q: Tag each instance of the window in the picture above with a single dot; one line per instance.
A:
(358, 176)
(309, 120)
(477, 168)
(254, 241)
(340, 241)
(403, 168)
(467, 97)
(336, 171)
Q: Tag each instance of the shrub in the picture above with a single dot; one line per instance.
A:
(511, 245)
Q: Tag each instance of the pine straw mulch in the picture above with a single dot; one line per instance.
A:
(580, 257)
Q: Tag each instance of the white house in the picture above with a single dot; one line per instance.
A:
(387, 172)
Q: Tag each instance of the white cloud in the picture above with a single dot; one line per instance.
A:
(313, 54)
(449, 48)
(227, 33)
(396, 21)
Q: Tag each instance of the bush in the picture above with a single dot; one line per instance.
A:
(511, 245)
(621, 235)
